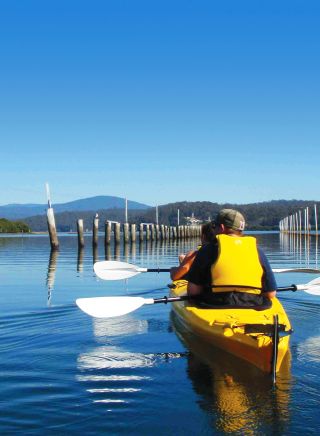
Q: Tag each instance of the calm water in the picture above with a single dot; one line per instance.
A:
(63, 372)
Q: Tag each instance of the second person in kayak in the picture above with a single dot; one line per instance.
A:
(232, 270)
(186, 260)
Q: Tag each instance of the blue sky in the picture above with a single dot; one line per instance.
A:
(159, 101)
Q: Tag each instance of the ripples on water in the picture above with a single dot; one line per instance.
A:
(64, 372)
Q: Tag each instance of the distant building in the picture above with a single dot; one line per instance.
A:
(192, 221)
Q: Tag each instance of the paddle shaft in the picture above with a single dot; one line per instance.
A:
(292, 288)
(166, 300)
(158, 270)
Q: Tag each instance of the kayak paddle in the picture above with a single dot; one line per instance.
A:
(114, 270)
(107, 307)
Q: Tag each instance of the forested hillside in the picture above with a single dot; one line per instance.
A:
(259, 216)
(7, 226)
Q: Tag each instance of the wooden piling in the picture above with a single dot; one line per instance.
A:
(80, 259)
(133, 233)
(126, 233)
(52, 229)
(95, 230)
(141, 232)
(107, 253)
(107, 235)
(80, 233)
(95, 255)
(117, 251)
(153, 232)
(147, 232)
(117, 233)
(174, 232)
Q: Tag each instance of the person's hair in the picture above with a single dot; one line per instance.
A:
(230, 231)
(207, 232)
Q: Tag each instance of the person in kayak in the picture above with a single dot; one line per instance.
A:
(186, 260)
(231, 270)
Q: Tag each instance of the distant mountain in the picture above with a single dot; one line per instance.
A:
(102, 202)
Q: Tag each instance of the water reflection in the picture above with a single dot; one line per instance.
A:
(302, 247)
(104, 328)
(230, 389)
(51, 273)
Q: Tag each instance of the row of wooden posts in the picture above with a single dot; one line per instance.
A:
(146, 231)
(302, 222)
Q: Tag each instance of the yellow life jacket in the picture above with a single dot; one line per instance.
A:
(237, 267)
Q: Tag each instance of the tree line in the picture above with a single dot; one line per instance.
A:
(7, 226)
(259, 216)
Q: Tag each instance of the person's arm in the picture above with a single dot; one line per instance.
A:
(269, 284)
(177, 272)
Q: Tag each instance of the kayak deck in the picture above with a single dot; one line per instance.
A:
(246, 333)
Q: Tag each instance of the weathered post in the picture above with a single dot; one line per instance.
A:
(95, 230)
(95, 256)
(125, 233)
(117, 233)
(80, 233)
(174, 232)
(51, 223)
(107, 253)
(133, 233)
(80, 259)
(153, 233)
(52, 229)
(107, 235)
(117, 251)
(147, 232)
(141, 232)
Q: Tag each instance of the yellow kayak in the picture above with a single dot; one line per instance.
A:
(260, 337)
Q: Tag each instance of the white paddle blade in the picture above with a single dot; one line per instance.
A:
(107, 307)
(312, 287)
(114, 270)
(298, 270)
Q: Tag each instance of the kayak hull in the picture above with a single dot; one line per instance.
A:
(245, 333)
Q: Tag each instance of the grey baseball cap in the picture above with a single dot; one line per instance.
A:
(231, 218)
